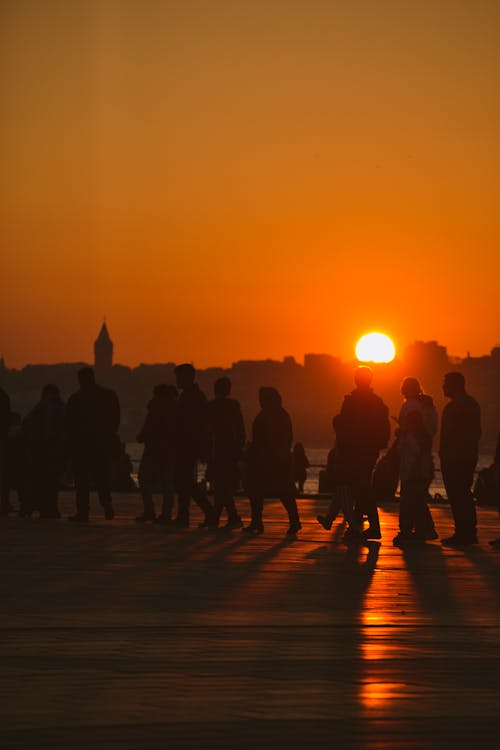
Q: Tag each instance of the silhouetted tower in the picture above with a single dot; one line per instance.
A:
(103, 351)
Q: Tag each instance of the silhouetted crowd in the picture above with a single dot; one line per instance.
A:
(182, 429)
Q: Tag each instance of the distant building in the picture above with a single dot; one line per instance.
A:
(103, 350)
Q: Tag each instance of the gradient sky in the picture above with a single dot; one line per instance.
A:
(229, 180)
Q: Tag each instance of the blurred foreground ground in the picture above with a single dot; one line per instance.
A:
(131, 636)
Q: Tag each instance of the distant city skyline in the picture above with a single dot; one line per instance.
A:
(101, 354)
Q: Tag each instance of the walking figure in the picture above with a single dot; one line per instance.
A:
(227, 439)
(92, 421)
(5, 506)
(458, 453)
(362, 429)
(418, 422)
(191, 446)
(270, 462)
(156, 470)
(45, 437)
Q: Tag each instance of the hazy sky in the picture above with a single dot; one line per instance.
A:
(229, 180)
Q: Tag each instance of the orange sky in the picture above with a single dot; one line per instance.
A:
(229, 180)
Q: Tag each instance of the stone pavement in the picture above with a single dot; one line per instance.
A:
(131, 636)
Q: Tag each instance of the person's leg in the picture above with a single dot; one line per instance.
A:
(224, 498)
(345, 497)
(81, 470)
(405, 509)
(101, 471)
(458, 482)
(184, 482)
(331, 514)
(423, 521)
(366, 501)
(168, 492)
(146, 486)
(50, 491)
(290, 504)
(257, 507)
(200, 497)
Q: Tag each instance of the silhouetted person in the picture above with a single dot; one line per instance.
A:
(227, 439)
(92, 421)
(496, 542)
(270, 461)
(44, 429)
(191, 445)
(4, 429)
(15, 475)
(156, 470)
(363, 429)
(418, 423)
(458, 452)
(300, 464)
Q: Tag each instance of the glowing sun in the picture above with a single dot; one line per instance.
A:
(375, 347)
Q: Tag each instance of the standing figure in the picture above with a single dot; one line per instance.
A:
(156, 470)
(362, 429)
(44, 430)
(300, 464)
(418, 422)
(191, 445)
(15, 474)
(458, 453)
(270, 462)
(227, 439)
(92, 421)
(5, 507)
(496, 542)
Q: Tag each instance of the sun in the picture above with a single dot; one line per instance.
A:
(375, 347)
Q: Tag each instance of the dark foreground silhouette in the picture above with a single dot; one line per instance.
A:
(182, 429)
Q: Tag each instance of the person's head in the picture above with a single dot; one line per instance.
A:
(184, 375)
(50, 392)
(363, 377)
(222, 387)
(269, 398)
(411, 388)
(86, 378)
(298, 449)
(453, 384)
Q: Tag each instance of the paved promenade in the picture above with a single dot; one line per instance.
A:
(118, 635)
